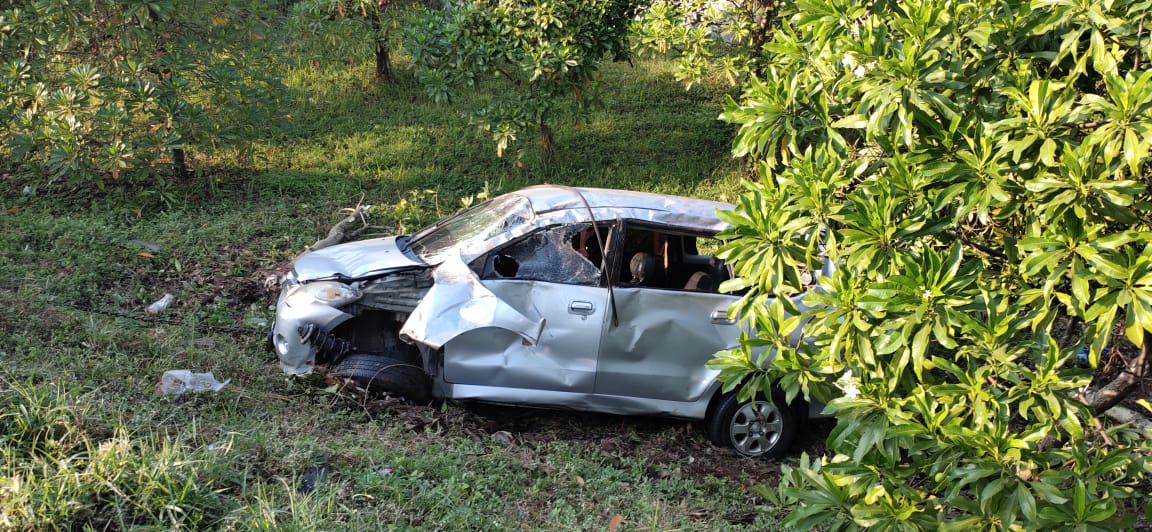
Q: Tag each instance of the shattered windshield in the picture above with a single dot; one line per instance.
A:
(471, 227)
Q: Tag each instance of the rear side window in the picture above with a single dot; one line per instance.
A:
(652, 257)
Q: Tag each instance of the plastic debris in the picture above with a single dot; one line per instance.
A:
(177, 382)
(160, 304)
(154, 248)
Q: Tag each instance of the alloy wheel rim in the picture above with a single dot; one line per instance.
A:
(755, 428)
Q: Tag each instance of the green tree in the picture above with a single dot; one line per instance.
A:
(705, 36)
(340, 26)
(547, 51)
(977, 172)
(92, 90)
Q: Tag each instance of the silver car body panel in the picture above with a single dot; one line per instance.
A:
(664, 339)
(610, 404)
(535, 342)
(457, 303)
(353, 260)
(606, 204)
(297, 357)
(564, 359)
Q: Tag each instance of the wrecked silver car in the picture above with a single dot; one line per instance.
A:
(575, 298)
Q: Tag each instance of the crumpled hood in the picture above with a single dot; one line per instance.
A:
(354, 260)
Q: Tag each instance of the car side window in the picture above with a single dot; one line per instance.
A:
(562, 254)
(670, 260)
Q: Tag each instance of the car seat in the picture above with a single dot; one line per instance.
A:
(700, 282)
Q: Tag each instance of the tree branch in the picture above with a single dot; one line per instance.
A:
(978, 247)
(1093, 125)
(501, 70)
(342, 231)
(1135, 370)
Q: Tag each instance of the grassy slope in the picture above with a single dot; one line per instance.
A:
(235, 458)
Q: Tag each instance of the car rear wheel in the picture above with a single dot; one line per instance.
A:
(383, 374)
(757, 428)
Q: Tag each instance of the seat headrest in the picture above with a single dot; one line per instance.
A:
(642, 266)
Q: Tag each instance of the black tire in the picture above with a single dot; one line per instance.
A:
(767, 428)
(382, 374)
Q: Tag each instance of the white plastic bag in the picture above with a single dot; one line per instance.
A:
(160, 304)
(177, 382)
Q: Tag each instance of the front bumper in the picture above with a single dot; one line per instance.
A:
(296, 356)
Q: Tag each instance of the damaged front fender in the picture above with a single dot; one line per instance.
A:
(458, 303)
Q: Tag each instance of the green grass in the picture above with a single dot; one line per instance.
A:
(87, 440)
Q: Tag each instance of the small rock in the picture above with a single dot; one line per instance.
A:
(504, 437)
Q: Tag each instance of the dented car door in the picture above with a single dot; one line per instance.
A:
(544, 278)
(672, 319)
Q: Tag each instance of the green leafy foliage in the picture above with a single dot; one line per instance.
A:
(705, 36)
(341, 30)
(99, 90)
(547, 51)
(971, 177)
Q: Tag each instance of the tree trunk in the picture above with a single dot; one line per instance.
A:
(383, 64)
(179, 164)
(1134, 372)
(383, 61)
(547, 143)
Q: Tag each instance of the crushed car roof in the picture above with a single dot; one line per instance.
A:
(661, 208)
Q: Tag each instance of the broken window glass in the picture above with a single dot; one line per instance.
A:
(550, 256)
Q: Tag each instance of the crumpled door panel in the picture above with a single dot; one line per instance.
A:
(458, 303)
(663, 342)
(564, 359)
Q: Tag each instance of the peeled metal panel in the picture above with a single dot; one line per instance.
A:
(662, 343)
(458, 303)
(563, 359)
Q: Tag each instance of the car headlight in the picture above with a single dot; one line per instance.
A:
(329, 293)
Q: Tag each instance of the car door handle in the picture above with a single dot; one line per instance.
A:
(581, 308)
(720, 317)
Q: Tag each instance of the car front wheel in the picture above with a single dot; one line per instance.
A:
(758, 428)
(382, 374)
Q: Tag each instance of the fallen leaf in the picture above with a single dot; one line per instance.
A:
(580, 481)
(145, 254)
(614, 523)
(13, 210)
